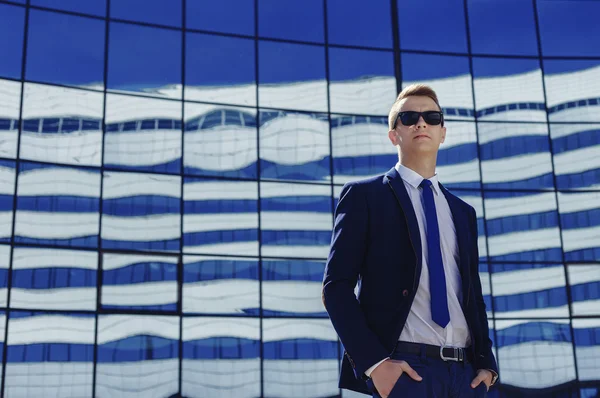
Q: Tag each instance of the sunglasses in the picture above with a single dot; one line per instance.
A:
(410, 118)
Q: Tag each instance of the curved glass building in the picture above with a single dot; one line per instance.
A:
(169, 171)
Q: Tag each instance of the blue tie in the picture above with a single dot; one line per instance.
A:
(437, 279)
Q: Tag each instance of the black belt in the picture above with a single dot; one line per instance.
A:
(433, 351)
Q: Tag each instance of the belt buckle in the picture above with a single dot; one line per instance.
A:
(456, 358)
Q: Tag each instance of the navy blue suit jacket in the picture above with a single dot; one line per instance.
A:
(376, 243)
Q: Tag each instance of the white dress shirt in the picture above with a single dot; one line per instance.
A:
(419, 327)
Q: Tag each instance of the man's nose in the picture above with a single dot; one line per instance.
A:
(421, 122)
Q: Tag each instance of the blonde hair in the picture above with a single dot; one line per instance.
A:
(411, 91)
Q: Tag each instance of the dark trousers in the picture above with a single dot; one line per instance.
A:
(441, 379)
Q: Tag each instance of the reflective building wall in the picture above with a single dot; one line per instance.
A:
(169, 170)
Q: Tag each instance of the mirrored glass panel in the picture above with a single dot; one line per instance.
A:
(584, 280)
(10, 100)
(445, 25)
(144, 60)
(41, 346)
(137, 355)
(535, 353)
(53, 279)
(508, 28)
(361, 81)
(292, 288)
(449, 76)
(291, 20)
(7, 192)
(515, 156)
(4, 270)
(57, 205)
(12, 21)
(61, 125)
(580, 225)
(295, 219)
(220, 69)
(300, 358)
(360, 147)
(220, 285)
(220, 217)
(587, 348)
(351, 23)
(529, 290)
(220, 141)
(475, 199)
(161, 12)
(457, 162)
(522, 226)
(294, 146)
(142, 134)
(226, 16)
(292, 76)
(221, 356)
(572, 91)
(576, 161)
(508, 89)
(567, 28)
(139, 282)
(56, 55)
(141, 211)
(93, 7)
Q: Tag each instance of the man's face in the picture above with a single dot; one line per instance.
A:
(421, 137)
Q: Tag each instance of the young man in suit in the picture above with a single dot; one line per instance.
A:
(417, 326)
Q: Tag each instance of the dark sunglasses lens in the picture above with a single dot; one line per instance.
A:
(409, 118)
(433, 118)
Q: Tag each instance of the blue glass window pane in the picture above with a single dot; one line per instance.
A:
(92, 7)
(354, 24)
(143, 134)
(45, 345)
(137, 345)
(8, 169)
(295, 221)
(361, 81)
(436, 70)
(294, 146)
(220, 69)
(162, 12)
(12, 19)
(444, 30)
(508, 28)
(571, 90)
(508, 89)
(56, 55)
(57, 205)
(145, 60)
(226, 16)
(587, 345)
(580, 221)
(10, 98)
(292, 76)
(141, 211)
(569, 28)
(220, 217)
(292, 20)
(4, 272)
(42, 278)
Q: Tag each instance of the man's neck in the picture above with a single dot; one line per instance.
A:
(423, 165)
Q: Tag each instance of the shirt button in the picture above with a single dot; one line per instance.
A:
(405, 292)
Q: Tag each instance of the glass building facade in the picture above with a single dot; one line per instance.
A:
(169, 171)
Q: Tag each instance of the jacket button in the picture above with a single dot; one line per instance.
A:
(405, 292)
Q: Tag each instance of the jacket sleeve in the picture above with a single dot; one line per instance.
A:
(347, 254)
(486, 359)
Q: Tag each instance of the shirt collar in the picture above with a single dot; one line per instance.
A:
(415, 179)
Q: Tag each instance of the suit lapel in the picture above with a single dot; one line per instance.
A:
(461, 225)
(393, 179)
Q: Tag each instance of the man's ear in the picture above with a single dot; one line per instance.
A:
(443, 134)
(393, 136)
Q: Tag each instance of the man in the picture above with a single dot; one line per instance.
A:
(418, 325)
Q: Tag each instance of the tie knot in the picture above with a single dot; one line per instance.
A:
(425, 183)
